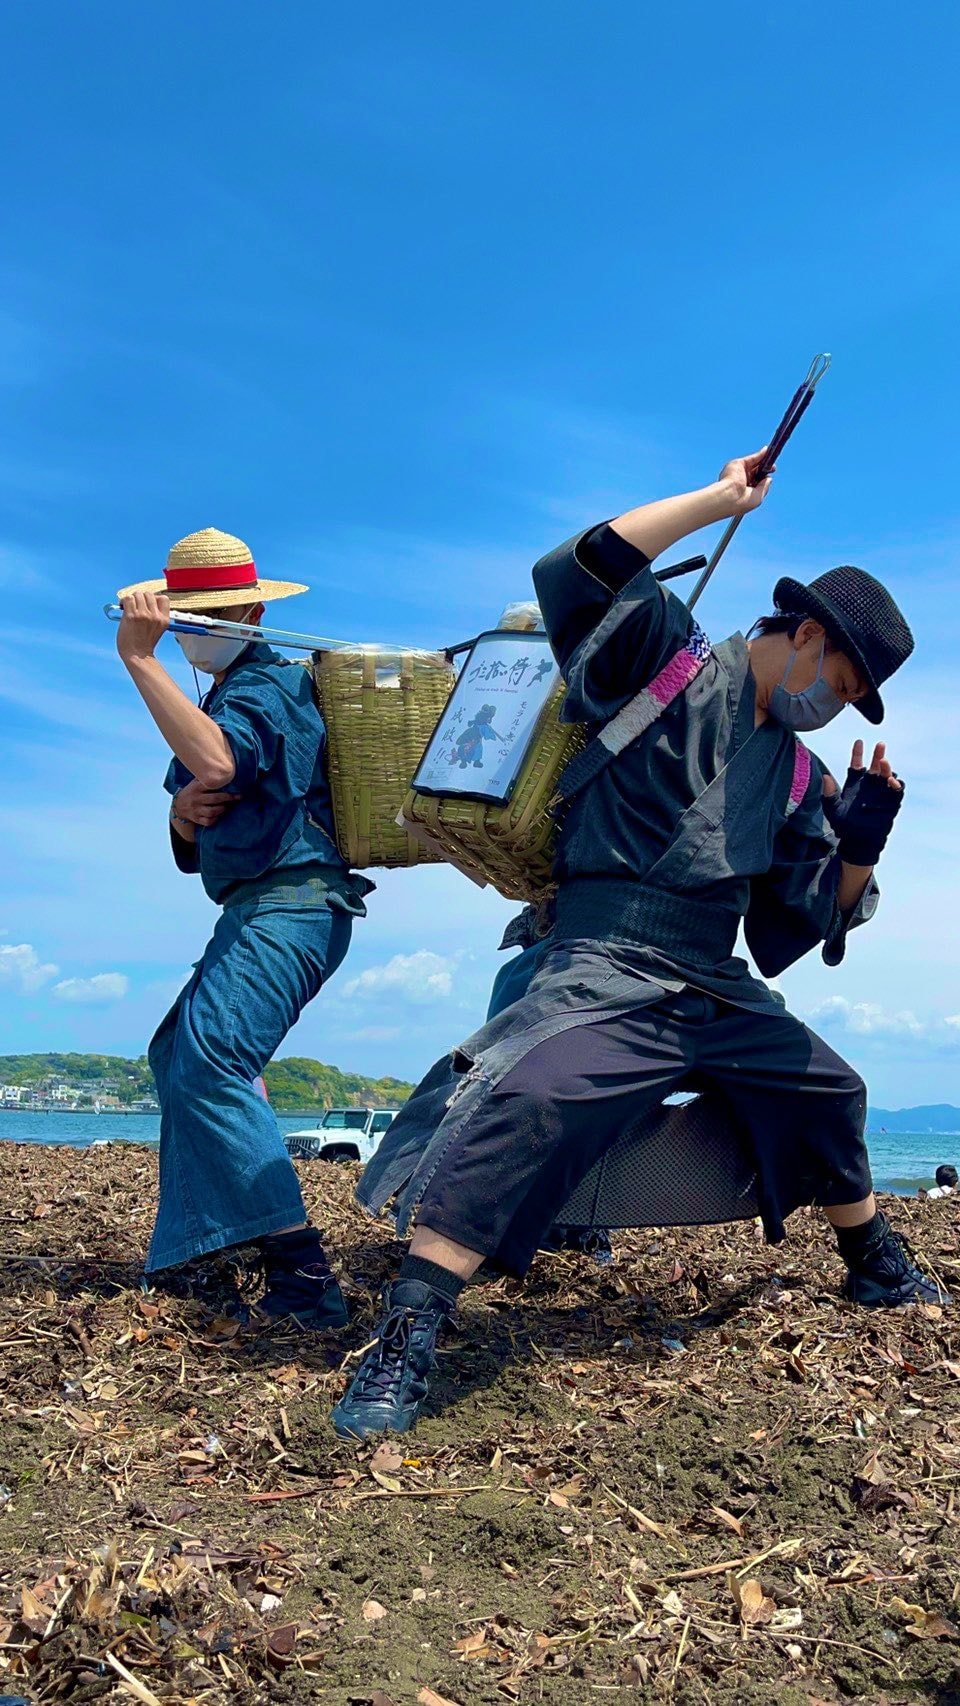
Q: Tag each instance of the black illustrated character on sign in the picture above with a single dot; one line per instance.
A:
(469, 744)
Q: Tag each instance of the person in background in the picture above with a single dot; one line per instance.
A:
(946, 1185)
(251, 814)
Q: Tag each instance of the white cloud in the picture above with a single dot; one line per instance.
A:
(866, 1018)
(869, 1019)
(421, 978)
(20, 966)
(105, 986)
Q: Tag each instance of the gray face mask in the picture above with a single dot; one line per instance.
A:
(816, 706)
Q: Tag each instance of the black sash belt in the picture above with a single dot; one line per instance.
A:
(608, 910)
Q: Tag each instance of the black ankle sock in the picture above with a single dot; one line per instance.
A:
(305, 1241)
(415, 1270)
(852, 1241)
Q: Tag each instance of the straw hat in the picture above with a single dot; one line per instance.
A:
(211, 570)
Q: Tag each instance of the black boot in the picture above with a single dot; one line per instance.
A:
(299, 1281)
(881, 1273)
(214, 1280)
(389, 1387)
(581, 1240)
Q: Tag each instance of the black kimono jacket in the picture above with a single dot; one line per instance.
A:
(699, 807)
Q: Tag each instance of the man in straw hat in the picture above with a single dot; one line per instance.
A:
(252, 814)
(693, 810)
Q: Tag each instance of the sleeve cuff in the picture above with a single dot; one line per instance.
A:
(184, 854)
(246, 760)
(609, 558)
(835, 944)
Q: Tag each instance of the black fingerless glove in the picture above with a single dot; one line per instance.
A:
(861, 815)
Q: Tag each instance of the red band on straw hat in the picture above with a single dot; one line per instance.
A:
(206, 577)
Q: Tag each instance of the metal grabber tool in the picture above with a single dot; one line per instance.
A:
(799, 404)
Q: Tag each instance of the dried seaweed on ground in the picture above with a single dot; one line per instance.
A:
(698, 1475)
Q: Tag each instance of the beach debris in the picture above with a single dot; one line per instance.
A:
(926, 1625)
(728, 1519)
(771, 1495)
(750, 1600)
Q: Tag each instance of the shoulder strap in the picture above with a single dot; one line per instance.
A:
(637, 716)
(802, 768)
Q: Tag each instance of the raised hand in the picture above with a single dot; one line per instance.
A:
(861, 814)
(879, 764)
(737, 478)
(146, 617)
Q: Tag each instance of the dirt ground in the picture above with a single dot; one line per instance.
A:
(697, 1476)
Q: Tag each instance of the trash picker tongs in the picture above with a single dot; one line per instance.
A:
(799, 404)
(191, 622)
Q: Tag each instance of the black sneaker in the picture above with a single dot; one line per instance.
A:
(299, 1281)
(886, 1276)
(389, 1387)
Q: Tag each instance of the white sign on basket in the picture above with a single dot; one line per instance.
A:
(478, 747)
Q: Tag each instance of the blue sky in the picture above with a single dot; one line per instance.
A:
(404, 297)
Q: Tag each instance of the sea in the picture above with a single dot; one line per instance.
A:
(902, 1161)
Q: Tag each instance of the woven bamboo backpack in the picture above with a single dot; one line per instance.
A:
(380, 710)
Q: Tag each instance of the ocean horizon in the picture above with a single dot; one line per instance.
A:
(902, 1161)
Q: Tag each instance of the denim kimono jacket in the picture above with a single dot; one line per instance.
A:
(691, 831)
(283, 821)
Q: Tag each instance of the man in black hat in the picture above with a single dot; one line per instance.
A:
(693, 810)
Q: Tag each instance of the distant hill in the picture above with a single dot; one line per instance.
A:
(938, 1116)
(128, 1079)
(299, 1083)
(291, 1083)
(296, 1082)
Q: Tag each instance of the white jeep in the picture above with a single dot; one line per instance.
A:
(343, 1134)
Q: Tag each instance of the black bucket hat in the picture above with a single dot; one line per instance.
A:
(860, 617)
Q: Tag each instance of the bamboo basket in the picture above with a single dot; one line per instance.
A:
(509, 846)
(380, 711)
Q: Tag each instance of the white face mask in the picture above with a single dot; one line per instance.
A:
(209, 653)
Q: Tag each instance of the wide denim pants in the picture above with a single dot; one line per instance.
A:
(225, 1176)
